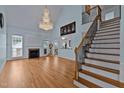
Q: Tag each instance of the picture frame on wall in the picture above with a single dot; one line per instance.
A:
(1, 20)
(68, 29)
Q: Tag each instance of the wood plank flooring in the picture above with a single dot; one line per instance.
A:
(45, 72)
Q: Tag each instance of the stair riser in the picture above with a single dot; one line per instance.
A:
(103, 64)
(96, 81)
(104, 37)
(106, 45)
(111, 22)
(108, 33)
(106, 57)
(111, 27)
(111, 51)
(106, 41)
(108, 25)
(101, 72)
(78, 84)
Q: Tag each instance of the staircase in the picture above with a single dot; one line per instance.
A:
(100, 67)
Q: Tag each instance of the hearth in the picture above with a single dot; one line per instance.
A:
(34, 53)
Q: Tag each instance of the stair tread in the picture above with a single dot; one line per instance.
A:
(108, 34)
(102, 68)
(108, 43)
(114, 24)
(103, 48)
(109, 28)
(108, 61)
(108, 38)
(104, 53)
(116, 28)
(110, 23)
(103, 78)
(99, 31)
(111, 20)
(88, 83)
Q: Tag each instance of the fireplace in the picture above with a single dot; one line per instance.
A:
(34, 53)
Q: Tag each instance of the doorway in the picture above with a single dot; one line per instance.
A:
(46, 47)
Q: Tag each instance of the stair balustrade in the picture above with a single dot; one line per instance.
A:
(80, 51)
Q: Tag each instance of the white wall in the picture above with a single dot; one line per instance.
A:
(2, 41)
(70, 14)
(122, 45)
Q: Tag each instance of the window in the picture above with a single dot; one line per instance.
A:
(109, 15)
(17, 45)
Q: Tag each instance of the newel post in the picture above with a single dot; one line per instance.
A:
(99, 19)
(76, 64)
(98, 24)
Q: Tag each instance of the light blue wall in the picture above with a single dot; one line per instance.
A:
(31, 39)
(2, 41)
(70, 14)
(122, 45)
(113, 8)
(24, 20)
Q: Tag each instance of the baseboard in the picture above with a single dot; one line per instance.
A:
(16, 59)
(23, 58)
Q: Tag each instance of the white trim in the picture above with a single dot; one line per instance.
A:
(78, 84)
(101, 72)
(96, 81)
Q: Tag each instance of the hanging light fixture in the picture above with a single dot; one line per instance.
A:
(46, 23)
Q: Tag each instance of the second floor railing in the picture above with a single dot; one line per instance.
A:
(89, 15)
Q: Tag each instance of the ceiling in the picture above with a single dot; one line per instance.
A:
(29, 16)
(107, 6)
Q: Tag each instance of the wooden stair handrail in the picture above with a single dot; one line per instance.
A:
(97, 17)
(77, 49)
(97, 6)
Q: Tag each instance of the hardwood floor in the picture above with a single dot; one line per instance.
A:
(42, 72)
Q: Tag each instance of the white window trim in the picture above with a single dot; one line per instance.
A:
(22, 47)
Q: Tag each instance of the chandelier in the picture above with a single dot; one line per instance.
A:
(46, 23)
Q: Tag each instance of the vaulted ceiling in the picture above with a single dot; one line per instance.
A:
(29, 16)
